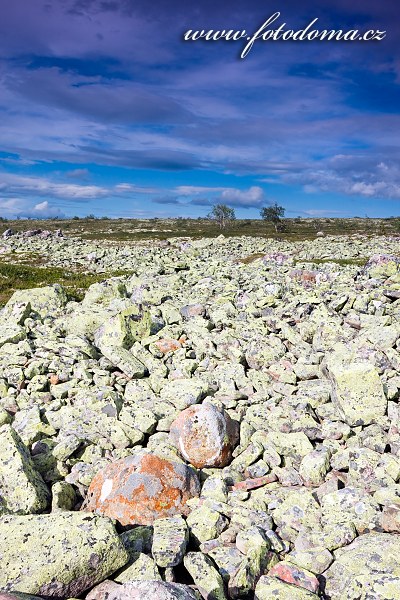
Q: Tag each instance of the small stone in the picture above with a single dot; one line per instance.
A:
(167, 345)
(204, 435)
(140, 489)
(63, 496)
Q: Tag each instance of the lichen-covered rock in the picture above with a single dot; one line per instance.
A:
(21, 486)
(141, 567)
(205, 576)
(382, 265)
(43, 300)
(368, 567)
(183, 392)
(140, 489)
(315, 465)
(357, 392)
(59, 555)
(170, 539)
(205, 435)
(142, 590)
(298, 509)
(124, 329)
(205, 524)
(63, 496)
(350, 505)
(315, 560)
(271, 588)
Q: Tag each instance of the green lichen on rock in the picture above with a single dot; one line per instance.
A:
(270, 588)
(141, 567)
(43, 300)
(357, 391)
(368, 568)
(170, 539)
(59, 555)
(205, 576)
(21, 486)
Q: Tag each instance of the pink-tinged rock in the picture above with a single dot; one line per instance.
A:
(204, 435)
(278, 258)
(192, 310)
(295, 575)
(253, 483)
(139, 489)
(303, 276)
(166, 345)
(141, 590)
(390, 519)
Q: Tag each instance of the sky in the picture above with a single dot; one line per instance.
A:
(106, 109)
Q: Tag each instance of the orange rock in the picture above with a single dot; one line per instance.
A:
(204, 435)
(54, 379)
(168, 345)
(139, 489)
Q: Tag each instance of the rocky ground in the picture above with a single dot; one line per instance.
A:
(222, 422)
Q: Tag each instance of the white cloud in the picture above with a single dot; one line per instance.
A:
(12, 208)
(252, 197)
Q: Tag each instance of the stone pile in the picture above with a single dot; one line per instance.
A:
(204, 427)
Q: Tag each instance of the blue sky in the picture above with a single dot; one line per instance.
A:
(105, 109)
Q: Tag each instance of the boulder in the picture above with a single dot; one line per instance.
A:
(368, 568)
(205, 435)
(59, 555)
(140, 489)
(44, 300)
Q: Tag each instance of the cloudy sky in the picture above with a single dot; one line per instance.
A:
(105, 109)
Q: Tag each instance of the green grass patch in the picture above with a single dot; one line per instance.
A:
(343, 262)
(249, 259)
(20, 277)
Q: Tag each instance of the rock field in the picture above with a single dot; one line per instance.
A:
(222, 422)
